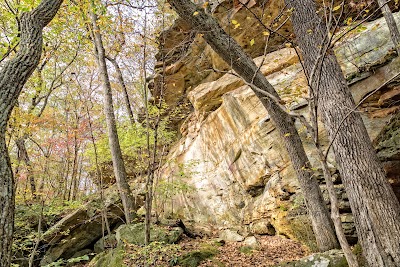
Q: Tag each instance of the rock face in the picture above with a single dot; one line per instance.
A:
(189, 61)
(233, 159)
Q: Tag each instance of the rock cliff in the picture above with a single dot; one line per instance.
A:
(229, 153)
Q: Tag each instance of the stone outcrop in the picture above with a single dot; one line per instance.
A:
(135, 234)
(81, 229)
(187, 60)
(232, 157)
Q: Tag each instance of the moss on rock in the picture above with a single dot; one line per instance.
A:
(135, 234)
(194, 258)
(332, 258)
(111, 258)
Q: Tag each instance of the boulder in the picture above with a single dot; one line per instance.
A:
(109, 241)
(230, 236)
(251, 242)
(195, 258)
(111, 258)
(332, 258)
(135, 234)
(83, 227)
(262, 228)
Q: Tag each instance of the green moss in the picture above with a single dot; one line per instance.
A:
(302, 231)
(357, 250)
(283, 208)
(333, 258)
(135, 234)
(246, 250)
(111, 258)
(155, 254)
(218, 243)
(194, 258)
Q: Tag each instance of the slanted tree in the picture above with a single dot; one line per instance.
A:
(122, 83)
(230, 51)
(13, 76)
(116, 154)
(374, 205)
(391, 23)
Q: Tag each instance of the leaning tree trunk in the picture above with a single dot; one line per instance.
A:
(116, 154)
(375, 207)
(24, 156)
(121, 81)
(13, 76)
(391, 23)
(227, 48)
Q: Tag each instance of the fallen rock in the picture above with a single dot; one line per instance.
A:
(194, 258)
(262, 228)
(112, 258)
(102, 244)
(83, 227)
(332, 258)
(231, 236)
(135, 234)
(251, 242)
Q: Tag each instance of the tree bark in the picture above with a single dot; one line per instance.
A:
(375, 207)
(23, 156)
(228, 49)
(13, 76)
(124, 89)
(391, 23)
(116, 154)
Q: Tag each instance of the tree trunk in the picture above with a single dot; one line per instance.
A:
(23, 156)
(391, 23)
(375, 207)
(233, 54)
(13, 76)
(116, 154)
(74, 183)
(124, 89)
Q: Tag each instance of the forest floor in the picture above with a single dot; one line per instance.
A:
(272, 250)
(211, 251)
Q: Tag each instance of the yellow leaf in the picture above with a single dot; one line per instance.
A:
(206, 4)
(234, 22)
(336, 8)
(287, 134)
(237, 25)
(288, 45)
(349, 21)
(266, 33)
(195, 13)
(252, 42)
